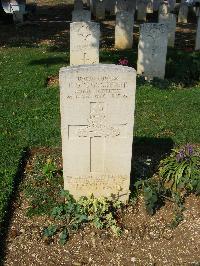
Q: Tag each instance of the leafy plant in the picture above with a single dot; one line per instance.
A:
(181, 170)
(153, 192)
(49, 169)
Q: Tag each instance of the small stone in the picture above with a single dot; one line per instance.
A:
(133, 259)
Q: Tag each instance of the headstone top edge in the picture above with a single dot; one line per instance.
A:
(82, 22)
(102, 66)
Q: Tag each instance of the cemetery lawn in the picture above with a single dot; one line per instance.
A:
(30, 105)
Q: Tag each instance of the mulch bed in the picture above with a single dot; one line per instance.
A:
(146, 240)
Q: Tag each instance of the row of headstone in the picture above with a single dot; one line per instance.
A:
(143, 7)
(152, 48)
(125, 23)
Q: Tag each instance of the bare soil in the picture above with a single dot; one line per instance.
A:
(146, 240)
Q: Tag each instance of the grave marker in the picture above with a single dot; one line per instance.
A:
(100, 8)
(150, 6)
(78, 4)
(81, 15)
(97, 109)
(197, 41)
(84, 43)
(124, 30)
(156, 4)
(183, 13)
(141, 10)
(170, 20)
(152, 50)
(120, 5)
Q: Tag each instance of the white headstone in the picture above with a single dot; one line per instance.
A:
(97, 115)
(163, 10)
(81, 15)
(84, 43)
(18, 17)
(183, 13)
(197, 42)
(150, 6)
(78, 4)
(141, 10)
(131, 6)
(120, 5)
(152, 50)
(170, 20)
(124, 30)
(156, 4)
(100, 9)
(172, 4)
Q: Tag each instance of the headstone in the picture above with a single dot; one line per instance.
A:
(81, 15)
(170, 20)
(150, 6)
(120, 5)
(100, 8)
(110, 7)
(172, 4)
(156, 4)
(18, 17)
(183, 13)
(124, 30)
(131, 6)
(141, 10)
(78, 4)
(163, 10)
(152, 50)
(92, 6)
(84, 43)
(197, 42)
(97, 116)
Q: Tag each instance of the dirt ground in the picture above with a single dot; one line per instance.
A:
(146, 240)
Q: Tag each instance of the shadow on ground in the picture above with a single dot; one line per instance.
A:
(4, 227)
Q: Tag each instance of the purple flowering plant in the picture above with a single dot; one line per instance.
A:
(181, 169)
(123, 62)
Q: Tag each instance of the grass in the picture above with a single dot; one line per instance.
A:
(30, 109)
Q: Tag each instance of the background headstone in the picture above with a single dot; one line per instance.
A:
(110, 7)
(170, 20)
(141, 10)
(97, 116)
(156, 4)
(124, 30)
(120, 5)
(78, 4)
(100, 9)
(152, 50)
(172, 4)
(81, 15)
(131, 6)
(197, 42)
(183, 13)
(150, 6)
(163, 10)
(84, 43)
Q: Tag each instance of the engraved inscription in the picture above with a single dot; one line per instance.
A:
(97, 131)
(97, 126)
(99, 88)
